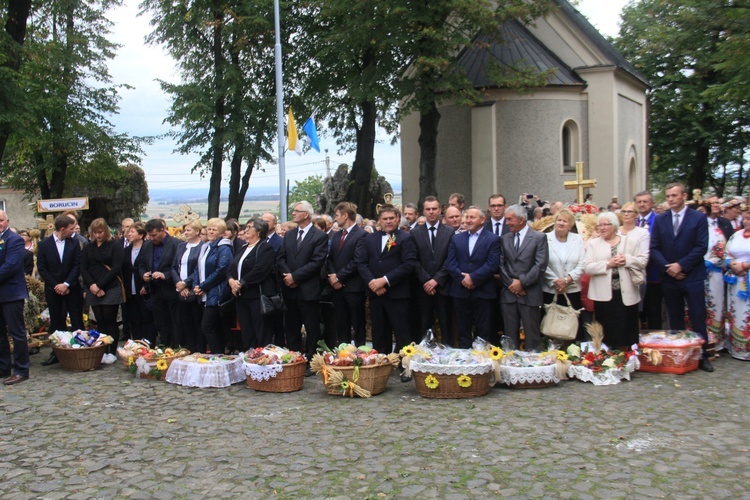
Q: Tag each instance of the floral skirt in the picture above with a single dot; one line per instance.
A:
(715, 310)
(739, 322)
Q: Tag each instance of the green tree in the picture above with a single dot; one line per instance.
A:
(699, 126)
(64, 132)
(307, 189)
(223, 109)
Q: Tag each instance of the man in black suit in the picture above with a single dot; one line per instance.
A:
(77, 236)
(300, 261)
(473, 258)
(523, 260)
(386, 260)
(58, 262)
(496, 225)
(343, 276)
(156, 271)
(431, 240)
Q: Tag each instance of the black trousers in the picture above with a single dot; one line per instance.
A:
(298, 313)
(470, 314)
(165, 311)
(59, 305)
(106, 323)
(431, 307)
(256, 331)
(349, 311)
(387, 317)
(11, 318)
(141, 324)
(210, 326)
(188, 333)
(679, 294)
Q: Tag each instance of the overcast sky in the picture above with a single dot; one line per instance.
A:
(143, 109)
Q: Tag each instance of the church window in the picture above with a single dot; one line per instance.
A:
(570, 146)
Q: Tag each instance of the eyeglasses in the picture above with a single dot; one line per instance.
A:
(628, 212)
(299, 211)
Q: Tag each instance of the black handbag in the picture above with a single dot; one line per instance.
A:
(271, 304)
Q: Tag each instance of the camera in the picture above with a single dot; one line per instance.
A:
(529, 196)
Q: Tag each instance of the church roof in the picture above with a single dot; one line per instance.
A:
(598, 40)
(513, 47)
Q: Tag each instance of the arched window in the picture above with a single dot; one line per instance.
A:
(570, 140)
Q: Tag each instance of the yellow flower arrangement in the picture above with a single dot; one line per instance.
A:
(162, 365)
(496, 353)
(431, 382)
(408, 350)
(464, 381)
(561, 356)
(131, 360)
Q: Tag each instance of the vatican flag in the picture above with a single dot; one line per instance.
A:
(294, 144)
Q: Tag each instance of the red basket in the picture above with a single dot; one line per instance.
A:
(677, 360)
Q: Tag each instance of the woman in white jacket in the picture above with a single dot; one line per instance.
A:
(613, 260)
(565, 266)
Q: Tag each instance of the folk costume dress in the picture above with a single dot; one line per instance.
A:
(738, 248)
(715, 290)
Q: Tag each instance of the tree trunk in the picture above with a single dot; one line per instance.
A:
(235, 201)
(15, 26)
(217, 142)
(697, 175)
(428, 131)
(359, 181)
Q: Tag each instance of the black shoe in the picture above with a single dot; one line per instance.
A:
(405, 379)
(706, 366)
(33, 350)
(309, 373)
(51, 360)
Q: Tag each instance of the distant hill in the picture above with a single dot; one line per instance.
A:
(197, 195)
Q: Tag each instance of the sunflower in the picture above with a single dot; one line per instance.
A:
(464, 381)
(131, 360)
(561, 356)
(162, 365)
(408, 350)
(496, 353)
(344, 385)
(431, 382)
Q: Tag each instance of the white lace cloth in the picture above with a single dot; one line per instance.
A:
(219, 373)
(607, 377)
(512, 375)
(469, 369)
(260, 373)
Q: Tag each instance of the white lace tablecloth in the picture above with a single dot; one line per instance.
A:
(472, 369)
(512, 375)
(216, 373)
(607, 377)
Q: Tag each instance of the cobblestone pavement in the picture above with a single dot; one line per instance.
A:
(103, 434)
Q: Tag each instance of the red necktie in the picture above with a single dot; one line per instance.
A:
(343, 237)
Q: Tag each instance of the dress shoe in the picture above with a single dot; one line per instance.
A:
(15, 379)
(405, 379)
(33, 350)
(706, 366)
(309, 373)
(51, 360)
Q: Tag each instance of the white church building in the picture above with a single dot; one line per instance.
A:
(594, 110)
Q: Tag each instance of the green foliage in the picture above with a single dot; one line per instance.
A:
(305, 190)
(699, 119)
(61, 131)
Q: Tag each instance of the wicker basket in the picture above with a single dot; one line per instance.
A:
(448, 386)
(290, 379)
(80, 360)
(372, 378)
(147, 376)
(677, 360)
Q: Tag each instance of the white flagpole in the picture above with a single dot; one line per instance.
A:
(280, 114)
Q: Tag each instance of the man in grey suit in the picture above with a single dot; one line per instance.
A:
(522, 264)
